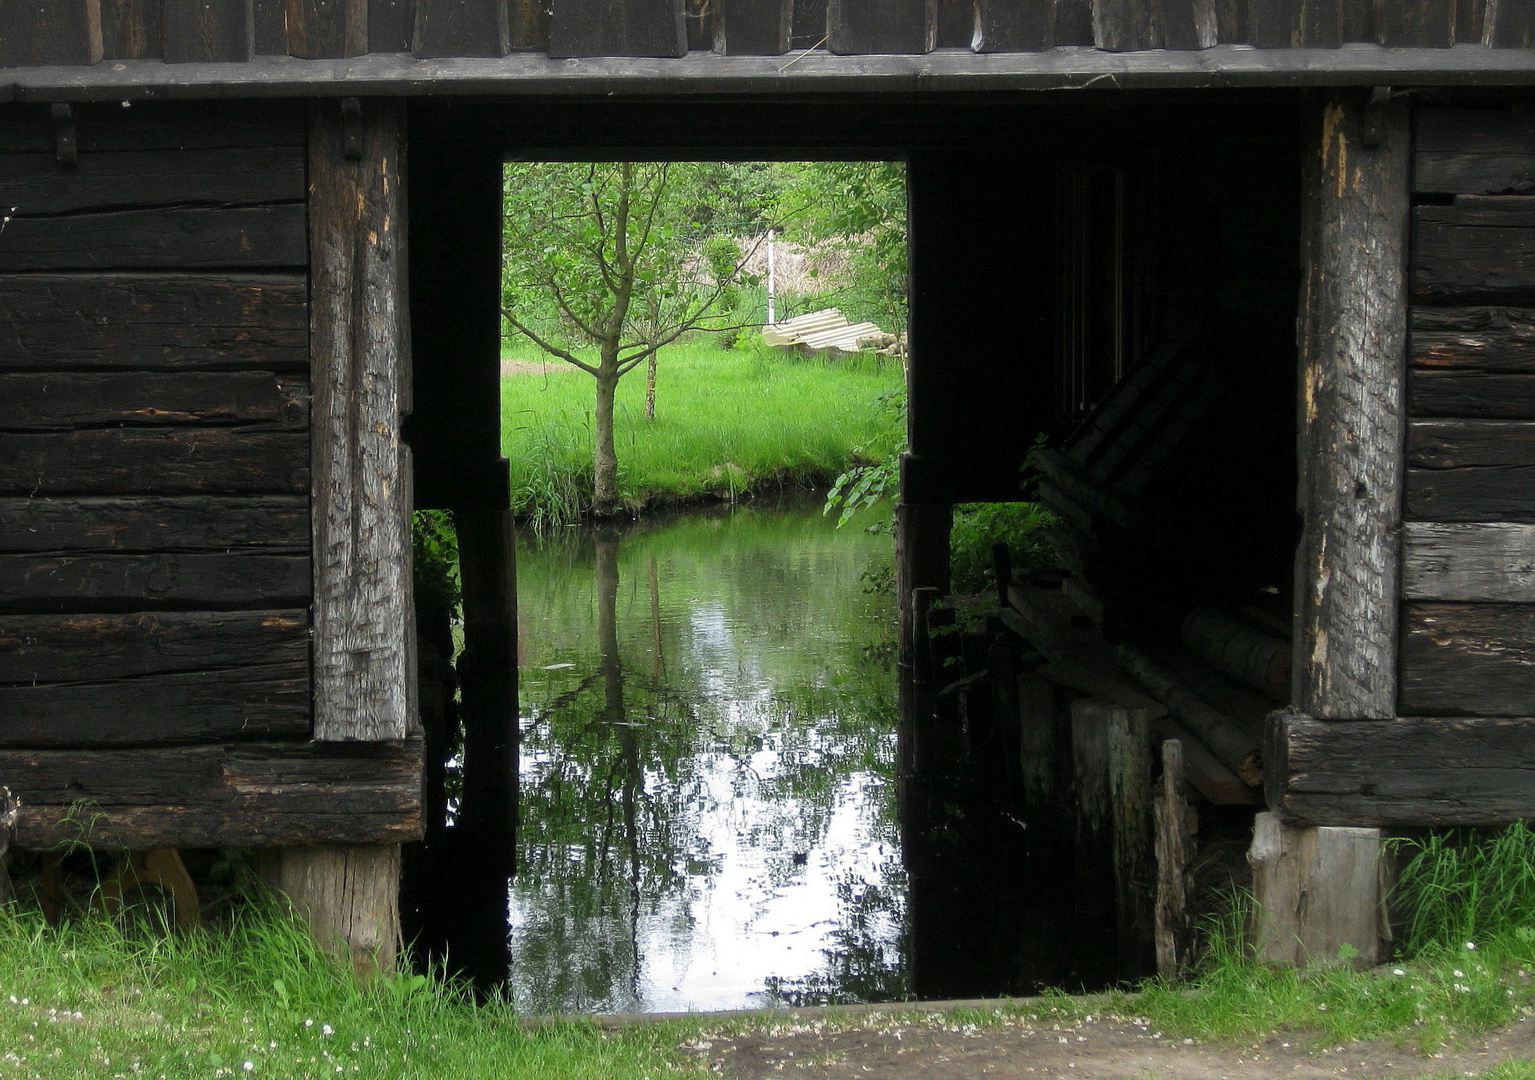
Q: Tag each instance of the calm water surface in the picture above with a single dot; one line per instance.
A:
(708, 742)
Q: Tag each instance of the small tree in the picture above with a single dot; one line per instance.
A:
(604, 258)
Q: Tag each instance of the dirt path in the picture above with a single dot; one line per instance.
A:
(877, 1047)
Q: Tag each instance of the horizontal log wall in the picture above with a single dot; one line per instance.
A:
(36, 32)
(155, 575)
(1468, 621)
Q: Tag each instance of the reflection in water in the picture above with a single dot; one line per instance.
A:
(708, 797)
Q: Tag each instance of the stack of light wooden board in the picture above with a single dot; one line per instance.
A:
(826, 330)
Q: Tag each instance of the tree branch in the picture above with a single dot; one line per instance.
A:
(547, 346)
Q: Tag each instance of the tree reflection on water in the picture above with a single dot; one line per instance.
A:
(708, 796)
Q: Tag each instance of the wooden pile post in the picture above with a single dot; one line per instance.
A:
(8, 813)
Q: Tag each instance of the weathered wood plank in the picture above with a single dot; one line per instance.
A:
(881, 26)
(1459, 444)
(248, 703)
(391, 25)
(1478, 561)
(1295, 24)
(1474, 338)
(176, 523)
(105, 127)
(1126, 25)
(321, 28)
(1401, 773)
(35, 184)
(1318, 895)
(1471, 394)
(109, 583)
(154, 321)
(181, 238)
(1189, 24)
(350, 897)
(93, 647)
(1015, 25)
(270, 18)
(130, 29)
(199, 30)
(1504, 493)
(362, 506)
(1481, 250)
(1474, 152)
(140, 461)
(527, 23)
(460, 28)
(1509, 24)
(1174, 855)
(753, 27)
(618, 28)
(34, 32)
(1353, 322)
(1468, 659)
(1418, 24)
(245, 794)
(33, 401)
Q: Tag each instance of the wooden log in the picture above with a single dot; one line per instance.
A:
(1240, 650)
(166, 322)
(130, 29)
(105, 126)
(1471, 394)
(1473, 152)
(1472, 494)
(1404, 773)
(1353, 319)
(86, 583)
(1205, 772)
(1488, 339)
(1481, 250)
(1317, 893)
(1476, 561)
(618, 28)
(161, 525)
(53, 648)
(44, 402)
(391, 25)
(349, 896)
(321, 28)
(1421, 24)
(252, 702)
(170, 238)
(203, 30)
(248, 794)
(35, 32)
(1468, 659)
(36, 185)
(855, 27)
(1015, 25)
(1457, 444)
(460, 28)
(1229, 741)
(1175, 851)
(362, 508)
(178, 461)
(752, 27)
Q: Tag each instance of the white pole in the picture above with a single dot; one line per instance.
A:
(770, 319)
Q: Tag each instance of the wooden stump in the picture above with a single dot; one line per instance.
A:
(1319, 894)
(350, 898)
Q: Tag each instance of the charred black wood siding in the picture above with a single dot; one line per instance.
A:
(154, 430)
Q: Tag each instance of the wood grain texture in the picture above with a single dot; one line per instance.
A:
(1504, 493)
(36, 184)
(1479, 251)
(1456, 444)
(1295, 24)
(252, 794)
(1508, 24)
(171, 524)
(1468, 659)
(460, 28)
(1471, 394)
(34, 32)
(1353, 322)
(181, 238)
(618, 28)
(33, 401)
(91, 583)
(141, 461)
(1474, 152)
(250, 702)
(362, 510)
(753, 27)
(1132, 25)
(1401, 773)
(881, 26)
(350, 897)
(321, 28)
(1015, 25)
(1478, 561)
(270, 19)
(1415, 24)
(391, 25)
(154, 321)
(130, 29)
(1318, 895)
(203, 30)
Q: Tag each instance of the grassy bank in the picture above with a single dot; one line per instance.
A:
(729, 422)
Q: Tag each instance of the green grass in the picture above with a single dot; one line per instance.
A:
(254, 999)
(729, 423)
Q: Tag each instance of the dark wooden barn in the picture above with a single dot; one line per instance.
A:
(1267, 278)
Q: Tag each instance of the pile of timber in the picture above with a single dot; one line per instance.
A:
(828, 331)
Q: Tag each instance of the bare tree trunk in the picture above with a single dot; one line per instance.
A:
(650, 387)
(604, 456)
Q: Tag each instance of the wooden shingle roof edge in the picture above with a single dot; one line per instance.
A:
(941, 71)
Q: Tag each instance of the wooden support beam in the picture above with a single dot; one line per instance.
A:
(1352, 343)
(350, 898)
(36, 32)
(1492, 562)
(1319, 895)
(1175, 851)
(8, 815)
(130, 29)
(323, 28)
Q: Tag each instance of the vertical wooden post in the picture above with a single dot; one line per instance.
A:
(1319, 895)
(1173, 857)
(361, 498)
(8, 814)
